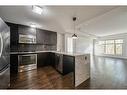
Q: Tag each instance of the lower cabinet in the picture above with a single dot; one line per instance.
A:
(52, 59)
(43, 59)
(64, 64)
(13, 64)
(68, 64)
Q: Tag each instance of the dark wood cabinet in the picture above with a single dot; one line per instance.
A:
(16, 29)
(13, 63)
(46, 37)
(13, 33)
(26, 30)
(53, 38)
(41, 36)
(68, 64)
(52, 59)
(43, 59)
(64, 64)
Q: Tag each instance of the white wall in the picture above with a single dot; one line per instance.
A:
(66, 36)
(60, 42)
(83, 44)
(117, 36)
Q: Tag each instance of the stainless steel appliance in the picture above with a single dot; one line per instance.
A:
(59, 62)
(27, 62)
(4, 55)
(27, 38)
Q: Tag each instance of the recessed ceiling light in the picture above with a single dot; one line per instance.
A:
(33, 25)
(37, 9)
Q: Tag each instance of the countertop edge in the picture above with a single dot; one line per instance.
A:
(36, 52)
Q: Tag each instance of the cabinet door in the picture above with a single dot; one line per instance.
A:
(68, 64)
(14, 63)
(46, 37)
(52, 59)
(26, 30)
(13, 33)
(42, 59)
(53, 38)
(42, 36)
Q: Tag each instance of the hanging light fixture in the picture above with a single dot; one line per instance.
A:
(74, 36)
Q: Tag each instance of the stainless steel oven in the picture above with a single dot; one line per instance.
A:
(27, 62)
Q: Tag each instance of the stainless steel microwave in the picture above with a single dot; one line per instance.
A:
(27, 38)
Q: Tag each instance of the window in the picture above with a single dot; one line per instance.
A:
(102, 46)
(69, 44)
(113, 47)
(110, 47)
(119, 46)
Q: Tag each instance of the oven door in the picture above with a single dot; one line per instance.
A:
(27, 62)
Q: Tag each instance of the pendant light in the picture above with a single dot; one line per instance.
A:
(74, 36)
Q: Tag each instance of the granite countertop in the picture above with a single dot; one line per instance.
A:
(33, 52)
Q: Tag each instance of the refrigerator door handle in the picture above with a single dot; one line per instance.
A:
(1, 44)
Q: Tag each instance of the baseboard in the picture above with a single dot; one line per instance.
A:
(120, 57)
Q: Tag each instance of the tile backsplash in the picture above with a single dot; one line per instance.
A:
(25, 47)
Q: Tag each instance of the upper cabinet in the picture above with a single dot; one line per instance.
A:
(26, 30)
(53, 38)
(41, 36)
(27, 35)
(46, 37)
(13, 33)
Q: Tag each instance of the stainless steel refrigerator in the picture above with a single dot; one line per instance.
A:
(4, 55)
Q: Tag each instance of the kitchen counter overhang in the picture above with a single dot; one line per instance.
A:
(34, 52)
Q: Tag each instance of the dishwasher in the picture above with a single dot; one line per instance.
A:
(59, 62)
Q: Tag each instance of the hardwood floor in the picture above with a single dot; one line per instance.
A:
(43, 78)
(106, 73)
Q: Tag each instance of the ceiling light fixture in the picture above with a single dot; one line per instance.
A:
(37, 9)
(33, 25)
(74, 36)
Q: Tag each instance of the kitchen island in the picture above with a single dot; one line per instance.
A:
(65, 62)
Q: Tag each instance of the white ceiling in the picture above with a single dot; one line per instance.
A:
(112, 22)
(94, 20)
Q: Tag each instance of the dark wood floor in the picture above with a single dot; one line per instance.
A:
(43, 78)
(106, 73)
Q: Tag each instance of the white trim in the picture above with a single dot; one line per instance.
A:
(121, 57)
